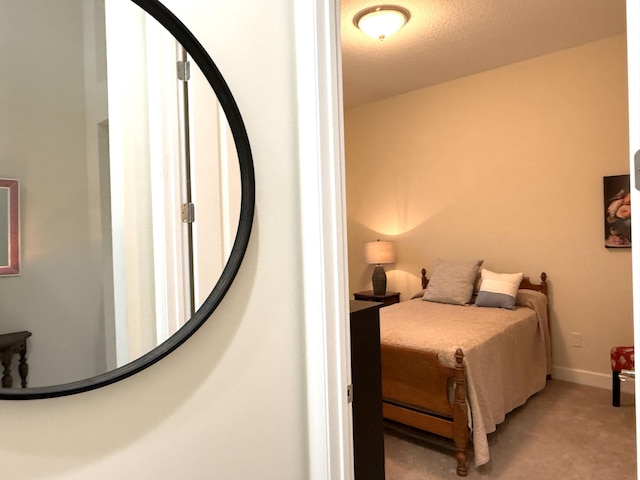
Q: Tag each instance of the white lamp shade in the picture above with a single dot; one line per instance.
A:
(377, 253)
(381, 22)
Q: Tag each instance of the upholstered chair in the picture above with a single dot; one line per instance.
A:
(621, 361)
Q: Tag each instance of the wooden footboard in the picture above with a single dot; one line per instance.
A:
(416, 390)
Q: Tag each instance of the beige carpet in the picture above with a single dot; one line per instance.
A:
(567, 431)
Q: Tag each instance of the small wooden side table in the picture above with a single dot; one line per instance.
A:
(10, 344)
(388, 298)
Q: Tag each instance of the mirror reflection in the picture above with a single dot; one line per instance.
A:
(129, 184)
(9, 227)
(4, 227)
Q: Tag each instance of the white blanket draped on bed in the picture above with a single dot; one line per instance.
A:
(507, 352)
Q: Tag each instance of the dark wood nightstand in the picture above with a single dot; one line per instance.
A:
(388, 298)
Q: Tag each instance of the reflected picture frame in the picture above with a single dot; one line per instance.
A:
(9, 226)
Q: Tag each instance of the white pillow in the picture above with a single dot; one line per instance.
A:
(498, 289)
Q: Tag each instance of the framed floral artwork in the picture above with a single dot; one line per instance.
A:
(617, 211)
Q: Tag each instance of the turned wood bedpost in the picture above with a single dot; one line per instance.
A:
(544, 288)
(460, 417)
(543, 283)
(424, 278)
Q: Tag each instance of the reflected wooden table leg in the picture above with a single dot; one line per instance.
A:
(7, 379)
(23, 367)
(11, 344)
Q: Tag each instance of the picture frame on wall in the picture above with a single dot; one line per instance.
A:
(617, 211)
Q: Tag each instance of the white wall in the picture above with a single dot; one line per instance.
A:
(230, 403)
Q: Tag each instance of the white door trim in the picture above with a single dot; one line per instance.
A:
(324, 257)
(633, 56)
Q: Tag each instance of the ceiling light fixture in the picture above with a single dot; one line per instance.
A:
(381, 21)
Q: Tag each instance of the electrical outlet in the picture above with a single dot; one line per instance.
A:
(576, 339)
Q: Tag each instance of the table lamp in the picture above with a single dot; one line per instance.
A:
(377, 253)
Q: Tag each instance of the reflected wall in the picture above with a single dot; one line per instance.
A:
(43, 144)
(94, 128)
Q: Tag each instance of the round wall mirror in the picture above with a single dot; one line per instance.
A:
(136, 191)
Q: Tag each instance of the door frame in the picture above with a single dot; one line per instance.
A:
(324, 249)
(633, 63)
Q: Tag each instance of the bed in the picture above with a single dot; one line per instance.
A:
(457, 370)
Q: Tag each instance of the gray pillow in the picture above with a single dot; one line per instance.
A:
(452, 282)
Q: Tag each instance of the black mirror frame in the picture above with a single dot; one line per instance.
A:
(247, 179)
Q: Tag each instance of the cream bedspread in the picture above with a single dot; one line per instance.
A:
(507, 352)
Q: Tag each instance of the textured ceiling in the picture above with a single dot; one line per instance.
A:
(447, 39)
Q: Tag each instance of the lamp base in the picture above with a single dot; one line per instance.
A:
(379, 280)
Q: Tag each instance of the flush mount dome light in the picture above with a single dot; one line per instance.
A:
(381, 21)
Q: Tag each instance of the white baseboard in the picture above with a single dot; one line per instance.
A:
(593, 379)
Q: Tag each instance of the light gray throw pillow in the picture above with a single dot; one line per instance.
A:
(452, 282)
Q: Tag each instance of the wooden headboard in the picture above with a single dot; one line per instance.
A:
(540, 287)
(526, 283)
